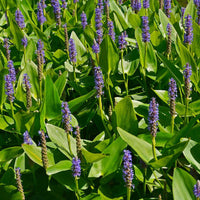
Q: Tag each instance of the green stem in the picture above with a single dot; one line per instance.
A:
(172, 123)
(77, 188)
(186, 109)
(145, 173)
(69, 143)
(41, 27)
(74, 72)
(40, 88)
(144, 67)
(128, 193)
(76, 12)
(124, 77)
(97, 57)
(154, 147)
(109, 93)
(102, 118)
(12, 109)
(197, 198)
(157, 179)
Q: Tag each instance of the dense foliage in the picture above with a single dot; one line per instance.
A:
(99, 99)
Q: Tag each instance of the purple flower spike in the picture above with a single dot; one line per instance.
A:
(76, 1)
(188, 36)
(153, 117)
(182, 12)
(9, 88)
(187, 73)
(76, 167)
(198, 14)
(64, 4)
(111, 30)
(41, 51)
(146, 4)
(107, 2)
(167, 7)
(196, 190)
(100, 5)
(196, 2)
(172, 93)
(72, 50)
(83, 20)
(120, 2)
(136, 5)
(95, 47)
(24, 41)
(11, 71)
(99, 83)
(121, 40)
(98, 25)
(19, 18)
(145, 29)
(27, 138)
(7, 46)
(66, 117)
(43, 4)
(56, 9)
(128, 169)
(26, 81)
(40, 14)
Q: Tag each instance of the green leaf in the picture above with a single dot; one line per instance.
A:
(110, 163)
(109, 57)
(174, 72)
(63, 165)
(196, 36)
(52, 104)
(169, 155)
(60, 83)
(59, 137)
(9, 192)
(183, 185)
(191, 153)
(5, 122)
(115, 9)
(75, 104)
(141, 147)
(34, 153)
(3, 72)
(124, 112)
(10, 153)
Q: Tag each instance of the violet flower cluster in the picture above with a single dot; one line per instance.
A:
(57, 11)
(172, 93)
(27, 138)
(83, 20)
(100, 5)
(111, 31)
(7, 46)
(19, 182)
(40, 13)
(153, 117)
(98, 25)
(136, 5)
(196, 190)
(11, 70)
(66, 117)
(40, 49)
(196, 2)
(99, 83)
(167, 7)
(187, 73)
(95, 47)
(128, 169)
(19, 18)
(43, 4)
(188, 36)
(72, 50)
(9, 88)
(146, 4)
(169, 32)
(76, 167)
(24, 42)
(64, 4)
(145, 29)
(44, 149)
(121, 40)
(26, 82)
